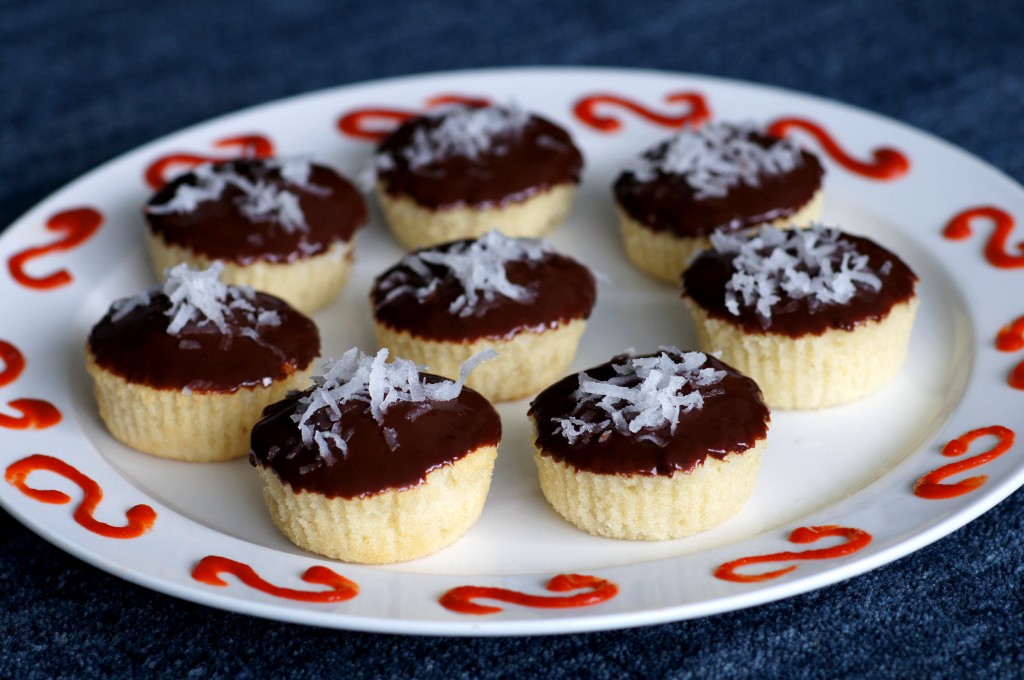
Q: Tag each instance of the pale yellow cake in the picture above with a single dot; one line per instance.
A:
(184, 370)
(650, 448)
(460, 172)
(285, 226)
(392, 526)
(664, 255)
(719, 176)
(308, 284)
(376, 462)
(440, 306)
(195, 427)
(817, 317)
(651, 508)
(417, 227)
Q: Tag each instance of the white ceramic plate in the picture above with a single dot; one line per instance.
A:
(853, 466)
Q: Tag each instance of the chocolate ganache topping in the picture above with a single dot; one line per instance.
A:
(651, 415)
(797, 282)
(717, 177)
(493, 287)
(200, 335)
(368, 426)
(257, 210)
(476, 156)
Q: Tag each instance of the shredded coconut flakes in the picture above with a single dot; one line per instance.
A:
(645, 395)
(812, 263)
(259, 201)
(478, 266)
(463, 131)
(377, 383)
(199, 296)
(715, 157)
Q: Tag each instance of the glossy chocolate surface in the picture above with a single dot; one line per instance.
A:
(333, 210)
(139, 349)
(563, 290)
(539, 157)
(704, 282)
(427, 439)
(730, 421)
(668, 203)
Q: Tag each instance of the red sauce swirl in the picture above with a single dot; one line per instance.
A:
(669, 203)
(138, 348)
(220, 230)
(731, 421)
(705, 280)
(539, 156)
(140, 518)
(429, 435)
(561, 290)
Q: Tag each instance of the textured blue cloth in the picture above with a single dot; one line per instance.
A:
(83, 82)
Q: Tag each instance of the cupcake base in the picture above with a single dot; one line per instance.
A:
(813, 371)
(665, 255)
(392, 526)
(308, 284)
(199, 427)
(526, 363)
(651, 508)
(417, 227)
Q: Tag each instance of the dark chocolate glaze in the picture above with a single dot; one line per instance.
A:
(514, 169)
(139, 349)
(667, 202)
(443, 433)
(704, 283)
(563, 290)
(731, 421)
(219, 230)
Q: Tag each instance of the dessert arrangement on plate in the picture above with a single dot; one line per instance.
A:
(388, 456)
(370, 357)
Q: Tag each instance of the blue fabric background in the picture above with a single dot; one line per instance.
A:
(83, 82)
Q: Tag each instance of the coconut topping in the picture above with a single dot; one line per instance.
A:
(463, 131)
(715, 157)
(199, 297)
(260, 201)
(377, 383)
(646, 395)
(478, 266)
(814, 263)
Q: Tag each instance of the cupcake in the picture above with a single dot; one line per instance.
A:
(719, 177)
(184, 370)
(462, 171)
(283, 226)
(817, 317)
(440, 306)
(652, 447)
(376, 462)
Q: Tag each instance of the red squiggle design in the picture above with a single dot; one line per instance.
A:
(855, 539)
(36, 414)
(959, 228)
(929, 485)
(140, 517)
(77, 225)
(208, 571)
(886, 163)
(249, 146)
(600, 590)
(697, 112)
(13, 363)
(1011, 336)
(1011, 339)
(375, 124)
